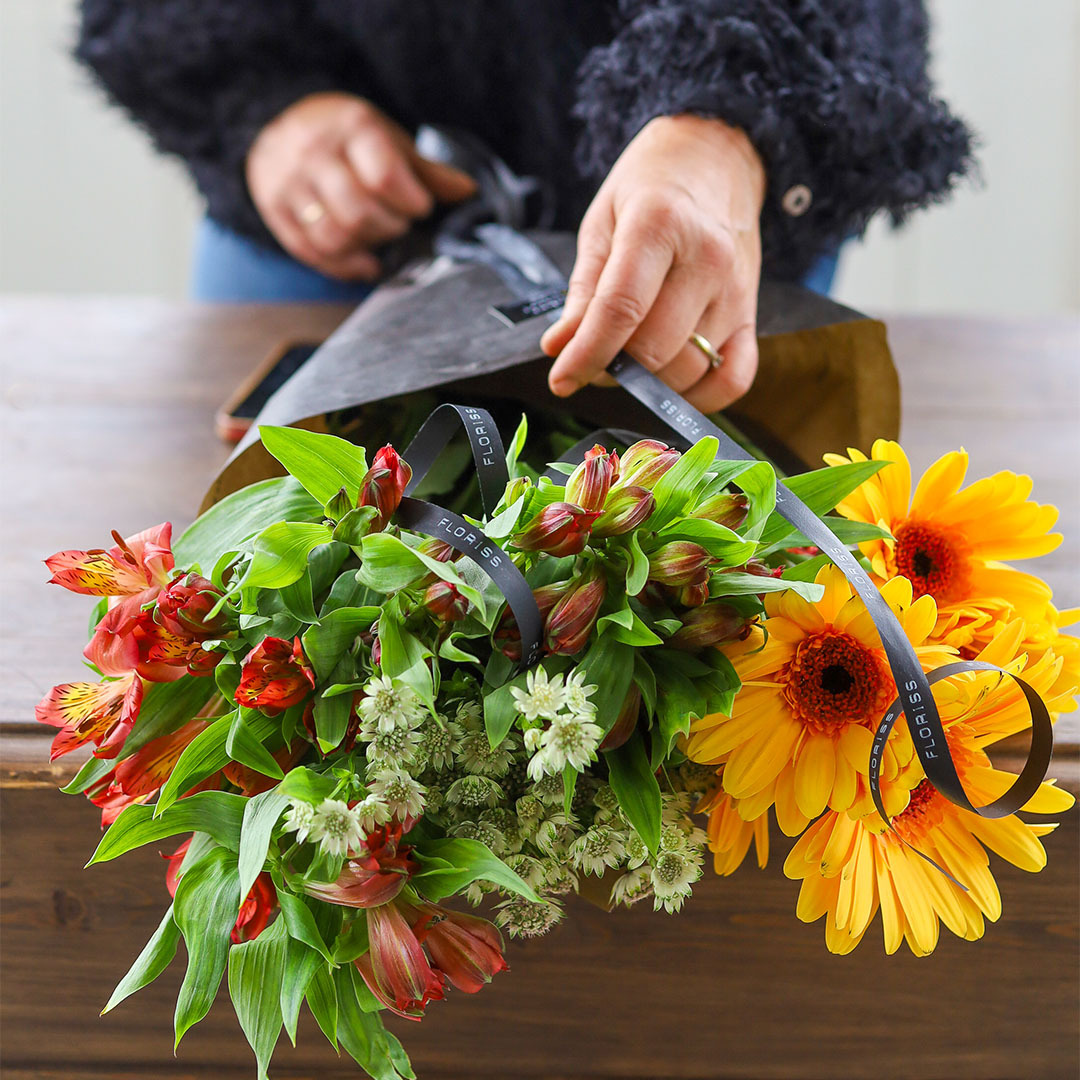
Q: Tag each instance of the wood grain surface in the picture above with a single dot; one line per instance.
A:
(106, 415)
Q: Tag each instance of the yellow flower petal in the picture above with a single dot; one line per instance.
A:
(815, 771)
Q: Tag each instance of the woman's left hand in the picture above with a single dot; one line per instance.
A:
(670, 246)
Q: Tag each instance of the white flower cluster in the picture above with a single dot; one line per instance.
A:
(569, 734)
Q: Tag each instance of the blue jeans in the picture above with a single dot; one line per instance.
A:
(229, 268)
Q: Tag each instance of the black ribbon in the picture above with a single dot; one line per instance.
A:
(436, 521)
(535, 280)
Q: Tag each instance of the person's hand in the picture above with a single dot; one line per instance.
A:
(670, 246)
(334, 179)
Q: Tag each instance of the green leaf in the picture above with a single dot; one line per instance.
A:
(260, 816)
(362, 1033)
(301, 923)
(675, 489)
(517, 444)
(166, 707)
(307, 786)
(455, 864)
(353, 942)
(331, 712)
(609, 664)
(500, 711)
(256, 970)
(847, 532)
(281, 553)
(404, 658)
(388, 564)
(321, 996)
(757, 480)
(637, 570)
(326, 642)
(217, 813)
(206, 754)
(205, 906)
(301, 963)
(751, 584)
(504, 522)
(718, 540)
(155, 957)
(627, 626)
(322, 463)
(636, 787)
(297, 598)
(241, 745)
(821, 490)
(239, 516)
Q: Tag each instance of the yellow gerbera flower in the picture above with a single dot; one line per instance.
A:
(948, 539)
(730, 836)
(851, 865)
(815, 683)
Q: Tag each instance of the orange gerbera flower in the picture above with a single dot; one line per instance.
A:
(730, 836)
(815, 684)
(851, 865)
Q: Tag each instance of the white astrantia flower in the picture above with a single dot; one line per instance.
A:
(672, 875)
(336, 828)
(632, 886)
(386, 706)
(470, 715)
(577, 695)
(554, 835)
(372, 812)
(597, 850)
(636, 851)
(523, 918)
(542, 697)
(549, 790)
(401, 794)
(298, 819)
(569, 740)
(532, 739)
(477, 754)
(474, 792)
(395, 748)
(439, 742)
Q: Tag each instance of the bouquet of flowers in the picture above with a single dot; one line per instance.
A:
(359, 737)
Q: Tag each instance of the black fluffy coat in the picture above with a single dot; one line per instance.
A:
(833, 93)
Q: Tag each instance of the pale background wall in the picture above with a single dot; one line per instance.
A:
(86, 207)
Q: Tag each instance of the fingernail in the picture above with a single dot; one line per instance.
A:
(563, 387)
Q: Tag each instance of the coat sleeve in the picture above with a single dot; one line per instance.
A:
(202, 77)
(834, 95)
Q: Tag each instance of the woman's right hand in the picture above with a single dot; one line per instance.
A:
(334, 179)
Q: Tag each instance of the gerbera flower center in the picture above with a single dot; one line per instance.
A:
(922, 813)
(932, 559)
(834, 680)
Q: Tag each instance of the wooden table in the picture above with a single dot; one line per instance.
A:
(107, 423)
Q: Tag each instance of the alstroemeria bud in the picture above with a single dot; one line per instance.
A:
(711, 624)
(725, 509)
(589, 483)
(571, 621)
(692, 595)
(339, 505)
(625, 722)
(646, 461)
(507, 636)
(444, 600)
(184, 606)
(274, 676)
(439, 550)
(559, 529)
(384, 484)
(758, 569)
(515, 489)
(680, 562)
(625, 510)
(465, 948)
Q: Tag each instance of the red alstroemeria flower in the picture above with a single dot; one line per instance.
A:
(102, 713)
(375, 874)
(274, 676)
(256, 910)
(395, 968)
(465, 948)
(384, 484)
(134, 565)
(184, 607)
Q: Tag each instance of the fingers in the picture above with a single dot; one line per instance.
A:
(383, 169)
(593, 249)
(721, 386)
(357, 220)
(446, 184)
(626, 290)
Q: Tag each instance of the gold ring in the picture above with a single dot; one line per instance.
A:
(706, 347)
(313, 212)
